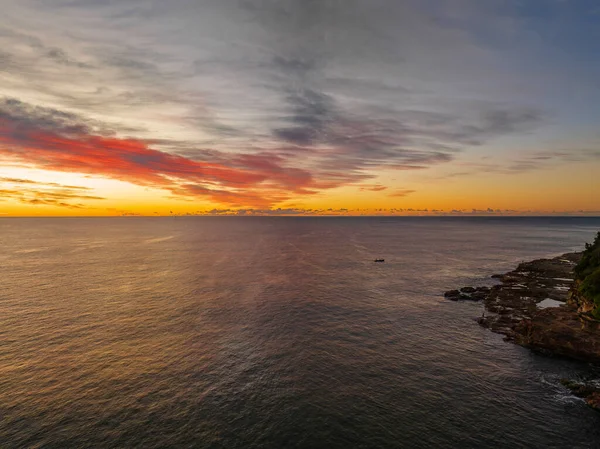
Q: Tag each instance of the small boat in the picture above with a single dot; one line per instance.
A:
(379, 260)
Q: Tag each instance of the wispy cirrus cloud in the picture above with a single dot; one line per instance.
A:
(30, 182)
(401, 193)
(372, 187)
(537, 160)
(31, 192)
(52, 140)
(332, 151)
(257, 103)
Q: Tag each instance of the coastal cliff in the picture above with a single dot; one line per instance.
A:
(548, 305)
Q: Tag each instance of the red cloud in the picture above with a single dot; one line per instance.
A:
(125, 159)
(62, 141)
(257, 180)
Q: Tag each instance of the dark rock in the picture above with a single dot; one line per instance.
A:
(593, 401)
(478, 295)
(513, 310)
(579, 389)
(468, 294)
(589, 392)
(452, 294)
(559, 331)
(465, 294)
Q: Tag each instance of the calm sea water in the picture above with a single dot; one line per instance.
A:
(274, 333)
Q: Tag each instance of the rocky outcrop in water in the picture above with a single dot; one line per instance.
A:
(521, 292)
(589, 391)
(525, 290)
(537, 306)
(551, 306)
(468, 293)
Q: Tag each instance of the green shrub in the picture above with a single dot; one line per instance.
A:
(588, 272)
(590, 259)
(590, 288)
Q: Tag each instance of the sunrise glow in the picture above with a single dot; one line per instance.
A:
(469, 109)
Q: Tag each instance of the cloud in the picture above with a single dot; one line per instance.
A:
(254, 103)
(125, 159)
(25, 117)
(401, 193)
(537, 160)
(289, 211)
(493, 123)
(294, 66)
(55, 141)
(45, 193)
(37, 183)
(330, 149)
(311, 112)
(61, 57)
(372, 187)
(544, 159)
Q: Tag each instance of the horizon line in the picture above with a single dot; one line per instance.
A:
(448, 215)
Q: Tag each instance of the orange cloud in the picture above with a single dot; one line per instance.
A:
(32, 192)
(258, 180)
(64, 142)
(401, 193)
(372, 187)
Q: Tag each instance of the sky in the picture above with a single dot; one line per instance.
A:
(287, 107)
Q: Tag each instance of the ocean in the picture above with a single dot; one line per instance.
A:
(274, 332)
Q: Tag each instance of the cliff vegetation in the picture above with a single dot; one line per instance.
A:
(587, 273)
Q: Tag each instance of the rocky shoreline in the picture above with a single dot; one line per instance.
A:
(534, 306)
